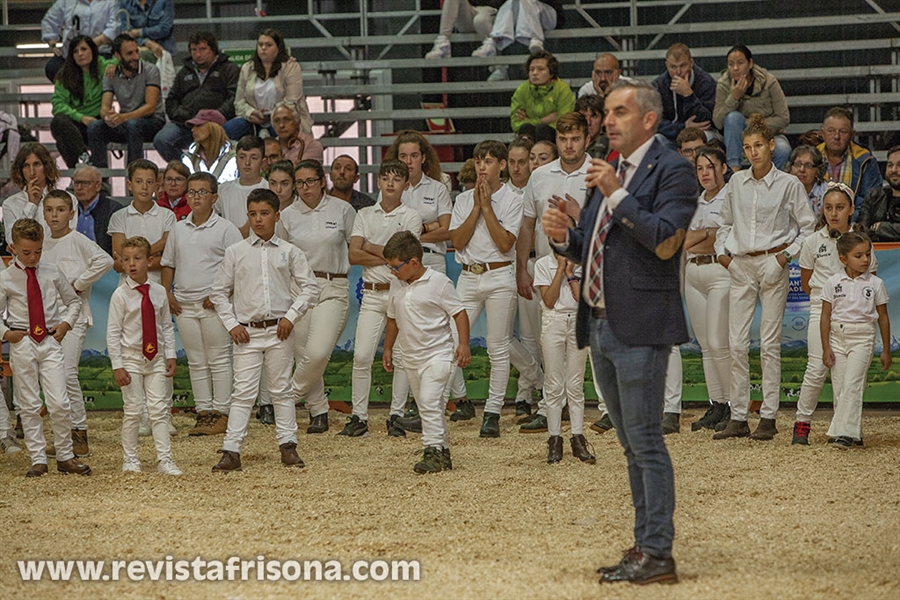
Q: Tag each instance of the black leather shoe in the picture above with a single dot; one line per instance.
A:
(644, 569)
(627, 556)
(554, 449)
(318, 424)
(537, 425)
(411, 424)
(490, 426)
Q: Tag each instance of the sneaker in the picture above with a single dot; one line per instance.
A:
(432, 461)
(499, 73)
(168, 467)
(289, 456)
(230, 461)
(411, 424)
(80, 443)
(318, 424)
(490, 426)
(465, 411)
(9, 445)
(355, 428)
(671, 423)
(201, 427)
(535, 45)
(603, 424)
(723, 423)
(712, 416)
(522, 408)
(441, 48)
(487, 49)
(843, 442)
(266, 414)
(537, 425)
(394, 430)
(801, 433)
(131, 466)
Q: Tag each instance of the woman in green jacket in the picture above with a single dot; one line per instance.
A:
(540, 101)
(76, 98)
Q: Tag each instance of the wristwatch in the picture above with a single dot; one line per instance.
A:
(787, 255)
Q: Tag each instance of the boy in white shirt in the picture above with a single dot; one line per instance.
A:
(483, 229)
(252, 294)
(31, 293)
(194, 251)
(232, 203)
(141, 344)
(373, 227)
(421, 303)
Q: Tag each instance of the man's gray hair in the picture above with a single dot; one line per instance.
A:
(291, 106)
(92, 171)
(645, 95)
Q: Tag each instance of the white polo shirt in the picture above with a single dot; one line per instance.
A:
(376, 226)
(819, 254)
(151, 225)
(508, 207)
(431, 200)
(854, 300)
(232, 202)
(81, 261)
(323, 232)
(195, 252)
(547, 181)
(544, 271)
(423, 310)
(707, 213)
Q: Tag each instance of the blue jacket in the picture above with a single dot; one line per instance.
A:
(156, 20)
(864, 176)
(678, 109)
(642, 252)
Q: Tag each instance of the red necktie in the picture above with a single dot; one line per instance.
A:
(595, 284)
(37, 327)
(148, 323)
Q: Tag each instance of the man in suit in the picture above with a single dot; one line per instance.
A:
(630, 310)
(94, 206)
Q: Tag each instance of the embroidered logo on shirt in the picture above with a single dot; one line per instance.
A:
(869, 292)
(331, 224)
(838, 288)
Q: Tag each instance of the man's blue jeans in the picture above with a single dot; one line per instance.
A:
(171, 141)
(134, 133)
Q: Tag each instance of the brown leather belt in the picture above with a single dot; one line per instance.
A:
(479, 268)
(376, 287)
(703, 259)
(330, 276)
(262, 324)
(774, 250)
(599, 313)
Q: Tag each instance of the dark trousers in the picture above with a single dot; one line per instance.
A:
(71, 138)
(134, 133)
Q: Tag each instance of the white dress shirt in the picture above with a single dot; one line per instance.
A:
(323, 232)
(431, 200)
(260, 274)
(56, 293)
(545, 182)
(125, 329)
(509, 208)
(854, 300)
(376, 226)
(82, 263)
(232, 202)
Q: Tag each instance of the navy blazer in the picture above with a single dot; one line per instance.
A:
(641, 256)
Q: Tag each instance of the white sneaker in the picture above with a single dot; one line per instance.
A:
(441, 48)
(487, 49)
(131, 466)
(9, 445)
(168, 467)
(535, 45)
(499, 73)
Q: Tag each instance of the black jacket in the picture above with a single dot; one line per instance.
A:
(699, 105)
(876, 208)
(187, 96)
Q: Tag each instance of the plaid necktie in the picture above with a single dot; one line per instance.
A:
(595, 285)
(148, 323)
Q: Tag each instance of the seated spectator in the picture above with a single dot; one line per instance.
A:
(591, 106)
(94, 206)
(807, 164)
(76, 101)
(152, 24)
(136, 88)
(542, 153)
(467, 16)
(743, 89)
(688, 94)
(522, 21)
(879, 215)
(67, 19)
(689, 140)
(344, 174)
(845, 161)
(537, 103)
(604, 74)
(272, 154)
(208, 80)
(211, 151)
(270, 77)
(296, 145)
(174, 194)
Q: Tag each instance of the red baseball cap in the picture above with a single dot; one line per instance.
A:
(207, 115)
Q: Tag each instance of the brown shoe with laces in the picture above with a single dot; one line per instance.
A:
(230, 461)
(74, 466)
(289, 456)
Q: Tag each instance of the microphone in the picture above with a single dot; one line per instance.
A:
(598, 149)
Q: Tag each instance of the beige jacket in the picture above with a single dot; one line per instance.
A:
(288, 86)
(766, 99)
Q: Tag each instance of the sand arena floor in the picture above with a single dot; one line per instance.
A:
(753, 519)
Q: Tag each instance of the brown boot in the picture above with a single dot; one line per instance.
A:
(230, 461)
(580, 450)
(733, 429)
(554, 449)
(289, 456)
(765, 430)
(80, 443)
(217, 424)
(201, 427)
(37, 470)
(72, 466)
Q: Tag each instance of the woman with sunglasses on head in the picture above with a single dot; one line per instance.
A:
(807, 164)
(320, 225)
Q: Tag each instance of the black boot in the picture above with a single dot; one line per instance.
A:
(465, 410)
(318, 424)
(490, 426)
(714, 414)
(554, 449)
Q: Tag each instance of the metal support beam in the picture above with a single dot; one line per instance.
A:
(672, 21)
(880, 10)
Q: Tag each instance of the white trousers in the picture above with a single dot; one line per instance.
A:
(674, 378)
(315, 336)
(429, 383)
(814, 376)
(522, 20)
(852, 344)
(148, 389)
(525, 352)
(706, 292)
(6, 427)
(753, 276)
(72, 345)
(494, 292)
(466, 18)
(264, 352)
(208, 348)
(370, 325)
(41, 367)
(563, 371)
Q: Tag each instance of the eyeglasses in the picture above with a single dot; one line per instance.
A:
(200, 193)
(175, 180)
(832, 131)
(689, 151)
(305, 183)
(396, 269)
(804, 165)
(83, 183)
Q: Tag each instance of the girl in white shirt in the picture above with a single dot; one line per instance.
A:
(852, 302)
